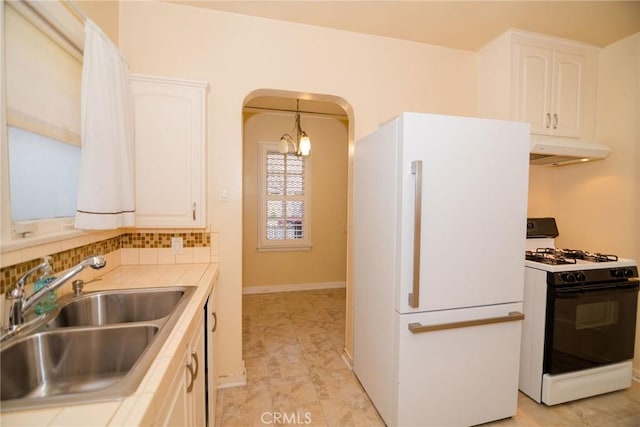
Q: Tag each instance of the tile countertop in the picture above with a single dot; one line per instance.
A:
(139, 408)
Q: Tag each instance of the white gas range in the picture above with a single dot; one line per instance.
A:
(580, 318)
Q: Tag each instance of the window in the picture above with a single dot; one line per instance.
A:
(43, 70)
(43, 176)
(284, 207)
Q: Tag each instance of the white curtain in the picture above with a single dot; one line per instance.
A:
(106, 192)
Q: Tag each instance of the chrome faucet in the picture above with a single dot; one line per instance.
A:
(18, 304)
(15, 295)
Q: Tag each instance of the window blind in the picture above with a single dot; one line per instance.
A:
(43, 81)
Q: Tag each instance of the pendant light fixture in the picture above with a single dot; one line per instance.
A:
(300, 141)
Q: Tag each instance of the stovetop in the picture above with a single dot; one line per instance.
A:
(556, 259)
(555, 256)
(583, 266)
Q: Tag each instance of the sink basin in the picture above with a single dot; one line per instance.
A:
(109, 307)
(94, 347)
(60, 362)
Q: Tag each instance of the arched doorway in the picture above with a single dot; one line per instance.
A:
(267, 115)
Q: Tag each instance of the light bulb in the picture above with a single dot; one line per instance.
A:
(305, 144)
(284, 146)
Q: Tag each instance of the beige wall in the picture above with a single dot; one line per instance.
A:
(378, 77)
(104, 14)
(597, 203)
(327, 260)
(605, 198)
(541, 192)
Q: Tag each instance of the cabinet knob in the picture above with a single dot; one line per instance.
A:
(193, 210)
(555, 121)
(215, 321)
(548, 120)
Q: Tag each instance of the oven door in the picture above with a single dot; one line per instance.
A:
(587, 327)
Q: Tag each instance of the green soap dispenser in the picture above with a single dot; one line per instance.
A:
(49, 301)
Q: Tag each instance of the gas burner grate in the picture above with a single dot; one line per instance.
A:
(548, 256)
(588, 256)
(566, 256)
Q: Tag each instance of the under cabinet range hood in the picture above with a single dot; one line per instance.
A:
(557, 151)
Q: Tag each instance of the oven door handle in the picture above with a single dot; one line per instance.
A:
(632, 283)
(575, 291)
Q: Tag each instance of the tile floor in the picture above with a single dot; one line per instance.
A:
(292, 342)
(617, 409)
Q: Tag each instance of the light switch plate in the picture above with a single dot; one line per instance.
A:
(224, 194)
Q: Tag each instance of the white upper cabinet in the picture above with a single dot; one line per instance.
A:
(170, 175)
(546, 81)
(551, 92)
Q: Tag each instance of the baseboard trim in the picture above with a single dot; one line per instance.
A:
(233, 380)
(292, 287)
(347, 359)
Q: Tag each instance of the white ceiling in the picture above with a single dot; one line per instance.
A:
(464, 25)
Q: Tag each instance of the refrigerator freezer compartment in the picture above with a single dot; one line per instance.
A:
(458, 356)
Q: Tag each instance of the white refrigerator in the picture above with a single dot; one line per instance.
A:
(439, 239)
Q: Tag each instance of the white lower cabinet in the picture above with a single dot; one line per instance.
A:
(185, 403)
(174, 410)
(211, 325)
(196, 378)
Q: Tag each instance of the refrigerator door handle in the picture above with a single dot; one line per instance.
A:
(513, 316)
(414, 297)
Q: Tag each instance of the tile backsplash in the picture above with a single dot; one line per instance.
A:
(163, 240)
(137, 247)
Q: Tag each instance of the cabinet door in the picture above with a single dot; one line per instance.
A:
(535, 67)
(196, 388)
(175, 409)
(568, 86)
(211, 333)
(169, 152)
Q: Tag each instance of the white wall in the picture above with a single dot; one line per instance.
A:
(236, 54)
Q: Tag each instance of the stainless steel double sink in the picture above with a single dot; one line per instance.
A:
(93, 347)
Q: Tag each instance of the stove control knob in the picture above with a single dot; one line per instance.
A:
(568, 277)
(617, 273)
(628, 272)
(580, 277)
